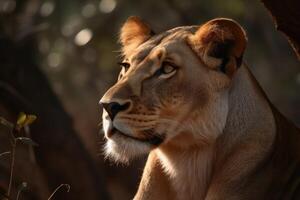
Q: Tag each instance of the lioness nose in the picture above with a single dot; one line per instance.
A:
(113, 108)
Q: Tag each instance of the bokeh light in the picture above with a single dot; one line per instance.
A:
(83, 37)
(89, 10)
(107, 6)
(47, 8)
(54, 59)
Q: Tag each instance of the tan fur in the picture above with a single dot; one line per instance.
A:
(220, 30)
(133, 33)
(221, 137)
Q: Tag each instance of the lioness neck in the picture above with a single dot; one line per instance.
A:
(189, 170)
(244, 142)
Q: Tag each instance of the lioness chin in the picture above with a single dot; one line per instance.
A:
(186, 97)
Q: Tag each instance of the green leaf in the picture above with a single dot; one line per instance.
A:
(24, 120)
(26, 140)
(21, 119)
(29, 119)
(6, 123)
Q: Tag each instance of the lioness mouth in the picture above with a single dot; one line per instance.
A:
(154, 140)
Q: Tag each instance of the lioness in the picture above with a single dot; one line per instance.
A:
(186, 97)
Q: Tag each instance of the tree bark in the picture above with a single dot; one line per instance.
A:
(286, 16)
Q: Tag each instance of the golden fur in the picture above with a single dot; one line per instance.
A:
(189, 101)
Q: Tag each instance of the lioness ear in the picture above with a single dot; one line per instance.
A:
(220, 43)
(134, 32)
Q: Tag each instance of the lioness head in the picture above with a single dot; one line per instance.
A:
(173, 86)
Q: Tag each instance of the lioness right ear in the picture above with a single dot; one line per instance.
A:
(134, 32)
(220, 43)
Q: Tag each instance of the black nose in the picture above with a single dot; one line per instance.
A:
(114, 108)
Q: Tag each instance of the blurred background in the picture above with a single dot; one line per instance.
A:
(57, 58)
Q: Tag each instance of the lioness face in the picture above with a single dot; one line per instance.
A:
(166, 93)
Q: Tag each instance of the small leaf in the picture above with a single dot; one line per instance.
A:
(26, 140)
(6, 123)
(29, 120)
(21, 119)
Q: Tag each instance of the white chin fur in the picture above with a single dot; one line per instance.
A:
(121, 149)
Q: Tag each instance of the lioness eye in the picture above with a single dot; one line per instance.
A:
(125, 65)
(167, 68)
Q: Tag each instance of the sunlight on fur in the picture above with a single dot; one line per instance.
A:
(122, 150)
(186, 98)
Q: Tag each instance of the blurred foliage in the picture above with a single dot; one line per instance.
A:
(76, 46)
(23, 121)
(77, 42)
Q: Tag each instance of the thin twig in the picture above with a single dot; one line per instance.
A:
(12, 165)
(61, 185)
(31, 150)
(21, 188)
(18, 194)
(4, 153)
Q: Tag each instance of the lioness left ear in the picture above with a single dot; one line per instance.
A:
(133, 33)
(221, 44)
